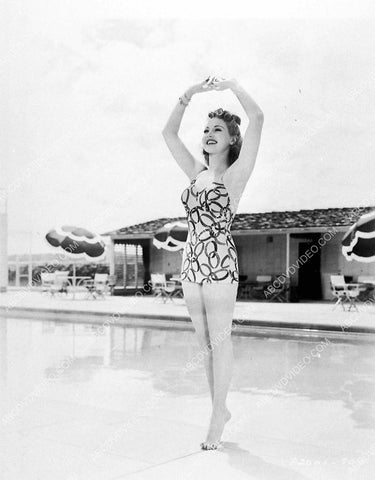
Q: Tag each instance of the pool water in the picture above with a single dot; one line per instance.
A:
(79, 401)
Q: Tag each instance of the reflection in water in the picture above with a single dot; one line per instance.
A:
(32, 350)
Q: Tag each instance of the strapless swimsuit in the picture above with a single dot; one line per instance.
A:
(209, 254)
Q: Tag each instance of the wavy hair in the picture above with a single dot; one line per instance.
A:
(233, 122)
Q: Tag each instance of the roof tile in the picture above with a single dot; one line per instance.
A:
(318, 217)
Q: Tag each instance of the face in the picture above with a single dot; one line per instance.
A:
(215, 131)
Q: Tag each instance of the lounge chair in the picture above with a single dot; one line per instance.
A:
(344, 292)
(112, 279)
(98, 286)
(60, 282)
(278, 290)
(260, 285)
(243, 287)
(162, 288)
(47, 280)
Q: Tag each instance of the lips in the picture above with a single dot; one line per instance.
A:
(211, 142)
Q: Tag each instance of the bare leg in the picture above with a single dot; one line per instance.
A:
(219, 301)
(194, 301)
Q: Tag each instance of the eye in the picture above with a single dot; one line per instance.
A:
(217, 128)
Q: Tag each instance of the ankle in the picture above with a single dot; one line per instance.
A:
(220, 407)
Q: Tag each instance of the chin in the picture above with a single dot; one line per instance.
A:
(212, 148)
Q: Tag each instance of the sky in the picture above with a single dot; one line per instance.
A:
(91, 84)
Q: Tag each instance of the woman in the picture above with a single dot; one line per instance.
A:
(209, 263)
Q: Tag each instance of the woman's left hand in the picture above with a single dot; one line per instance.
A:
(222, 84)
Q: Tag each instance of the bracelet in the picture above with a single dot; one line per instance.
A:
(182, 98)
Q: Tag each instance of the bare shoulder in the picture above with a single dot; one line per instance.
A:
(197, 169)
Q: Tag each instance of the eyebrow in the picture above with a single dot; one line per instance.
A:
(215, 126)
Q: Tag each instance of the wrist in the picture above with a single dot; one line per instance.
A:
(184, 99)
(234, 85)
(189, 93)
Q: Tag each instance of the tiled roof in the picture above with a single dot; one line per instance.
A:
(318, 217)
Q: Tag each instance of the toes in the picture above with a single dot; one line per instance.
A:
(209, 446)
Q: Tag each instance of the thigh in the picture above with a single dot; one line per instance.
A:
(219, 301)
(195, 304)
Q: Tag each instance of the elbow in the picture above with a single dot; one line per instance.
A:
(166, 132)
(259, 116)
(258, 119)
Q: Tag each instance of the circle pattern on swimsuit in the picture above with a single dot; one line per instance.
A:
(209, 254)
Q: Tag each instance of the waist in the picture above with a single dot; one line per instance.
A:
(209, 234)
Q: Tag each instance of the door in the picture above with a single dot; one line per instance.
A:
(129, 267)
(133, 266)
(309, 278)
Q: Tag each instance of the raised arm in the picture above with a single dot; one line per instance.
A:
(239, 172)
(180, 153)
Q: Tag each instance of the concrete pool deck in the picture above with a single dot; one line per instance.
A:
(147, 311)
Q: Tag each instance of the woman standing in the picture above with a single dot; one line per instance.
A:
(209, 270)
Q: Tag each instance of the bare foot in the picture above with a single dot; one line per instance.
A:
(227, 414)
(219, 418)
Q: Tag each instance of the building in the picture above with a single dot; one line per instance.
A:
(307, 243)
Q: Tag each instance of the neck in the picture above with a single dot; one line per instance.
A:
(218, 163)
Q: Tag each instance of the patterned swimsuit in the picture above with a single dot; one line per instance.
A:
(209, 254)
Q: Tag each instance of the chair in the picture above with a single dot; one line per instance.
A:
(60, 282)
(344, 292)
(281, 291)
(261, 283)
(178, 291)
(47, 281)
(161, 288)
(101, 284)
(98, 286)
(243, 287)
(112, 279)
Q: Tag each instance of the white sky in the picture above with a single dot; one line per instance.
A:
(92, 85)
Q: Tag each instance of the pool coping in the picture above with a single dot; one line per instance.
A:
(246, 325)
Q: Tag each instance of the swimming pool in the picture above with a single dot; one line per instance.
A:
(78, 401)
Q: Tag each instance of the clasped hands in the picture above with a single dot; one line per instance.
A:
(217, 83)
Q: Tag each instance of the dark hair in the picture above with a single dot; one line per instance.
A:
(232, 121)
